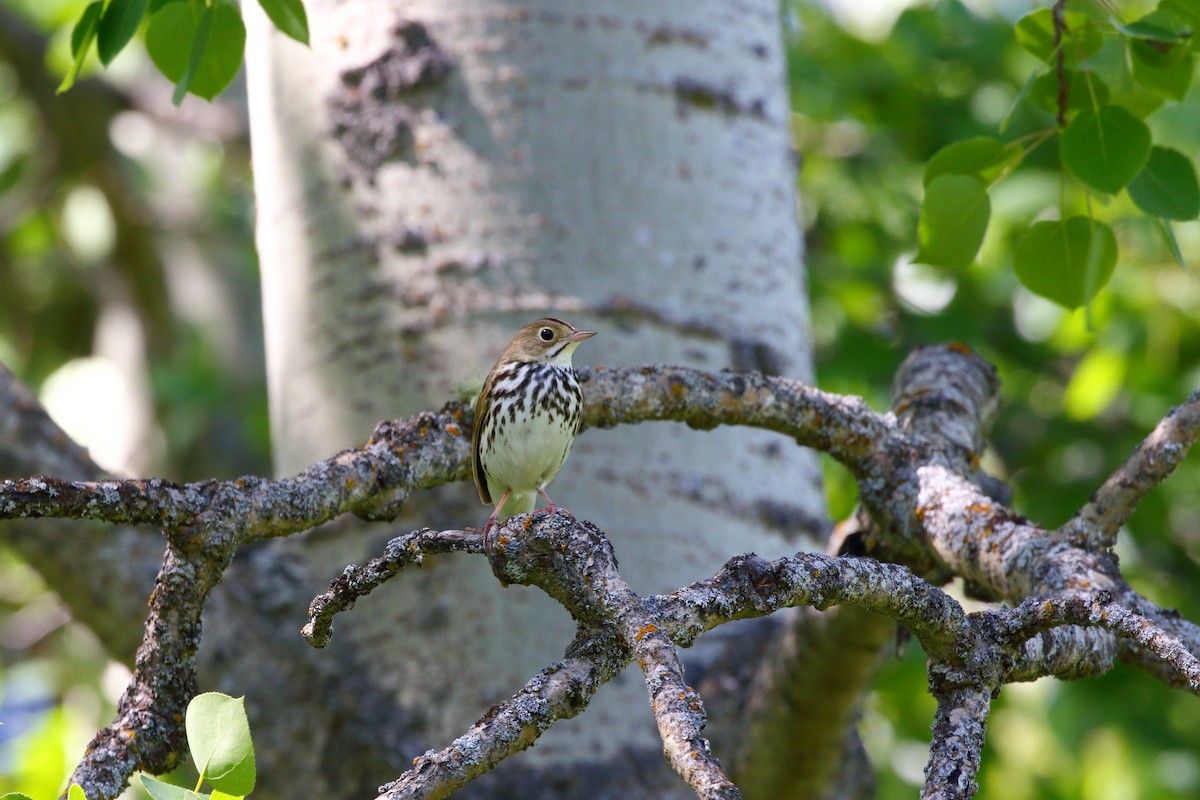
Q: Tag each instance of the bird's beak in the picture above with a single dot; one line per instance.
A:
(579, 336)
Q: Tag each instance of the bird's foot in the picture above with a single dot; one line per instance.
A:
(488, 527)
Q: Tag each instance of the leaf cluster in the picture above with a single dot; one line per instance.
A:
(196, 44)
(1105, 146)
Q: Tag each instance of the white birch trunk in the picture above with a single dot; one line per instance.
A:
(623, 165)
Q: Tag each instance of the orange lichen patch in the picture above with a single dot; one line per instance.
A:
(980, 508)
(816, 573)
(504, 540)
(349, 483)
(973, 459)
(959, 347)
(528, 521)
(920, 512)
(645, 629)
(453, 430)
(677, 390)
(424, 431)
(457, 413)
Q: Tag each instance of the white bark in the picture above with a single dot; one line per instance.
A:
(623, 165)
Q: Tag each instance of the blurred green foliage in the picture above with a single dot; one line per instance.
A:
(869, 115)
(1076, 399)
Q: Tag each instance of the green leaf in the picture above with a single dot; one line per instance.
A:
(288, 16)
(167, 791)
(1167, 186)
(219, 738)
(1035, 33)
(1154, 27)
(176, 41)
(82, 36)
(983, 157)
(118, 24)
(15, 796)
(954, 218)
(1085, 89)
(1053, 259)
(1016, 103)
(1105, 148)
(195, 54)
(1163, 228)
(76, 792)
(219, 795)
(1166, 73)
(1188, 13)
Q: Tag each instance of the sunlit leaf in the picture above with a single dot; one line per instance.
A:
(82, 36)
(219, 738)
(983, 157)
(954, 218)
(1053, 258)
(1105, 148)
(1167, 185)
(160, 790)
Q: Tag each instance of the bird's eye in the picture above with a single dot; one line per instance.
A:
(546, 334)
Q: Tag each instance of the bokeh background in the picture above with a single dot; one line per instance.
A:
(129, 303)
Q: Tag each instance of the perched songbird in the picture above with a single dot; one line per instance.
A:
(526, 418)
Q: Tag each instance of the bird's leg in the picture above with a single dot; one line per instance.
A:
(491, 520)
(549, 503)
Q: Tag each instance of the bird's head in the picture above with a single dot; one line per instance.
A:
(550, 340)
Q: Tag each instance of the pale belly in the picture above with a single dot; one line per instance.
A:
(524, 456)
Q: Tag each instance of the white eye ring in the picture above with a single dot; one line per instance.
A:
(546, 334)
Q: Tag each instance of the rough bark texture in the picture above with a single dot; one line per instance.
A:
(1065, 627)
(432, 175)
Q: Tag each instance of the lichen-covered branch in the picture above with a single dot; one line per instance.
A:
(931, 509)
(355, 582)
(147, 734)
(560, 691)
(1096, 524)
(957, 745)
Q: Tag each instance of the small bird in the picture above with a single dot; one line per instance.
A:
(526, 418)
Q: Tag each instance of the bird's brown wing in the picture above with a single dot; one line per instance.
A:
(481, 411)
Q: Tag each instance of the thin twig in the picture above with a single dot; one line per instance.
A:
(1096, 524)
